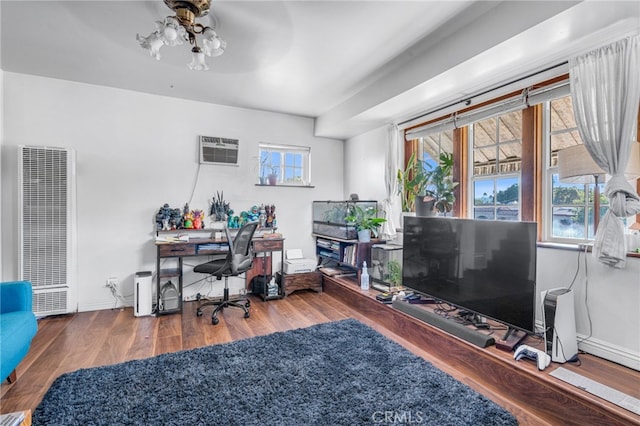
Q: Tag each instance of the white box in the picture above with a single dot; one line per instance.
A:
(296, 264)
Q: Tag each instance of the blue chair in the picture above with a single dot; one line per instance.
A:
(18, 325)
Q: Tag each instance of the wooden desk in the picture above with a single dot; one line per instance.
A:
(202, 247)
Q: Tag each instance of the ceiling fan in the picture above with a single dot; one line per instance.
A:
(175, 30)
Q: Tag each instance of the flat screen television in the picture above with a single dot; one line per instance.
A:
(482, 266)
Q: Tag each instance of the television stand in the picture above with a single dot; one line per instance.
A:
(511, 339)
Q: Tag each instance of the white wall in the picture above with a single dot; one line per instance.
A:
(136, 152)
(365, 174)
(613, 294)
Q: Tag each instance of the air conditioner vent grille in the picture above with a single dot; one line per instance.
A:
(216, 150)
(53, 302)
(44, 216)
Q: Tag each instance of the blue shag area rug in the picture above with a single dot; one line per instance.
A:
(338, 373)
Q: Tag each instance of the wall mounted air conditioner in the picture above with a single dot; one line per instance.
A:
(214, 150)
(46, 226)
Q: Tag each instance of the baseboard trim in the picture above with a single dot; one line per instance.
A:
(609, 352)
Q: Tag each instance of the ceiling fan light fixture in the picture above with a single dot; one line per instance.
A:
(197, 60)
(175, 30)
(212, 43)
(152, 43)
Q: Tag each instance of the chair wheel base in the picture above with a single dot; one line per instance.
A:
(215, 321)
(199, 313)
(246, 315)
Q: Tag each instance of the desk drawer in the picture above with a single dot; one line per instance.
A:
(267, 245)
(171, 250)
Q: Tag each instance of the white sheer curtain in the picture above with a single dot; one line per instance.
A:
(388, 231)
(605, 88)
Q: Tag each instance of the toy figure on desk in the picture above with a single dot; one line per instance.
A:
(168, 218)
(262, 218)
(220, 210)
(176, 220)
(188, 220)
(197, 218)
(162, 218)
(271, 216)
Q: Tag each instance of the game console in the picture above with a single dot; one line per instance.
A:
(559, 324)
(541, 357)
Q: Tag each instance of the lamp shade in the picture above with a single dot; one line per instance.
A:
(633, 166)
(577, 166)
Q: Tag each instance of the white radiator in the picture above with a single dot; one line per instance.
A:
(46, 215)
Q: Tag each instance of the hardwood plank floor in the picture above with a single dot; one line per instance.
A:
(90, 339)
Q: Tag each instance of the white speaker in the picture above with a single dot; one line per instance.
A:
(558, 318)
(142, 303)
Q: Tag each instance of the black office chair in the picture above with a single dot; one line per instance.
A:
(238, 260)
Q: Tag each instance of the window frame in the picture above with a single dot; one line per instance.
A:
(473, 178)
(549, 171)
(282, 168)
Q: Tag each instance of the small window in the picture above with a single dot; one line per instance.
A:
(284, 165)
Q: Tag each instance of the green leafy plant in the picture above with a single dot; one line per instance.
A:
(395, 272)
(440, 184)
(364, 219)
(412, 182)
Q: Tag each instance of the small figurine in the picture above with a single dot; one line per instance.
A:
(262, 218)
(220, 210)
(197, 219)
(176, 220)
(188, 220)
(163, 218)
(271, 216)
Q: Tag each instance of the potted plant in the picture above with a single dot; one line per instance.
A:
(427, 191)
(440, 185)
(268, 172)
(365, 222)
(272, 177)
(412, 182)
(395, 273)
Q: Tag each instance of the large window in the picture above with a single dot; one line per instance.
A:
(570, 206)
(508, 157)
(496, 156)
(284, 165)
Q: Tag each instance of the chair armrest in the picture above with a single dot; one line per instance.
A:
(15, 296)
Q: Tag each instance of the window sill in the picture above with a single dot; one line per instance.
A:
(576, 247)
(288, 186)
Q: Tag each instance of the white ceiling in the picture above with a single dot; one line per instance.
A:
(353, 65)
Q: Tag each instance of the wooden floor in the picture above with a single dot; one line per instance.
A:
(90, 339)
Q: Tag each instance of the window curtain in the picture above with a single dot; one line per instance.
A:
(605, 88)
(388, 231)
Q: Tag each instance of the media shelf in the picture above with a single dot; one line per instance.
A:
(347, 253)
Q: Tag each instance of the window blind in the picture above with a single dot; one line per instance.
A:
(523, 100)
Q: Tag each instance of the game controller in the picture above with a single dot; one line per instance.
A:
(525, 351)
